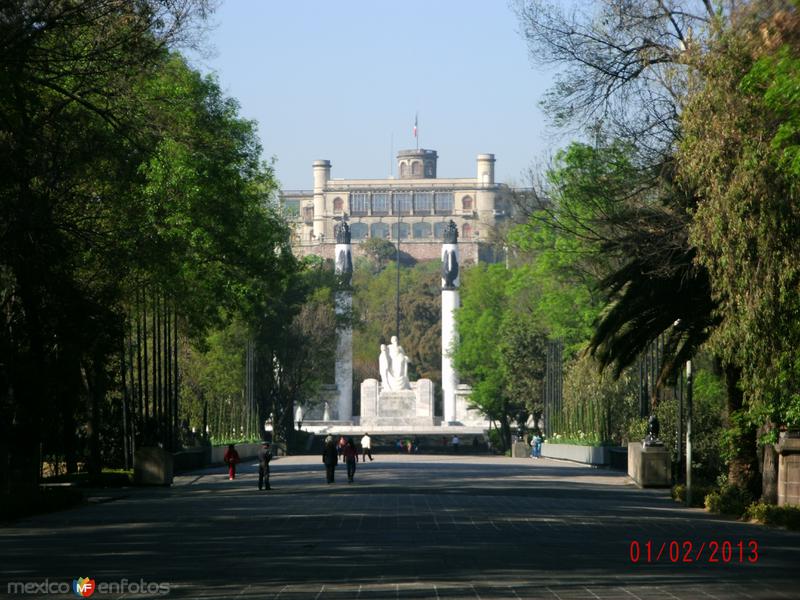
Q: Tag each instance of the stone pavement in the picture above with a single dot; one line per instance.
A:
(442, 527)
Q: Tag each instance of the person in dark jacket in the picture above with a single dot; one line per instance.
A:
(264, 456)
(350, 454)
(231, 459)
(330, 457)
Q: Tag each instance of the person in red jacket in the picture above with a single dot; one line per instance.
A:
(231, 459)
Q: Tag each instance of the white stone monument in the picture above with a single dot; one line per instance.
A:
(450, 302)
(395, 401)
(344, 334)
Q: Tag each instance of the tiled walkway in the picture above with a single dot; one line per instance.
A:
(409, 527)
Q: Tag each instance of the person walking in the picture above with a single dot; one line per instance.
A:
(350, 454)
(264, 456)
(366, 448)
(231, 459)
(330, 457)
(340, 445)
(536, 445)
(455, 441)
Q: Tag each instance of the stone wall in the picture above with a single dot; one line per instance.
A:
(788, 471)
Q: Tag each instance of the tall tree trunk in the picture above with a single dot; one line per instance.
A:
(769, 470)
(743, 466)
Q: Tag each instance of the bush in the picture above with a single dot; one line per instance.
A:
(730, 500)
(699, 493)
(769, 514)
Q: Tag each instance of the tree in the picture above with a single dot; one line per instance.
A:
(621, 67)
(501, 349)
(740, 151)
(380, 251)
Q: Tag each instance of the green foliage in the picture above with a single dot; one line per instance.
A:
(729, 500)
(380, 252)
(708, 407)
(699, 494)
(781, 516)
(374, 306)
(740, 151)
(501, 347)
(596, 406)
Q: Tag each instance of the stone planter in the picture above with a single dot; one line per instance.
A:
(588, 455)
(152, 466)
(649, 466)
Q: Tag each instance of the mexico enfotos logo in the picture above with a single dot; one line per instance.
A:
(83, 587)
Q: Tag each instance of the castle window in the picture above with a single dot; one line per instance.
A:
(380, 203)
(466, 231)
(402, 203)
(466, 203)
(358, 231)
(291, 208)
(421, 230)
(443, 203)
(379, 230)
(423, 202)
(338, 204)
(308, 214)
(359, 203)
(439, 229)
(416, 168)
(403, 169)
(404, 230)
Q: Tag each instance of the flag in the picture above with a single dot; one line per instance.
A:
(415, 125)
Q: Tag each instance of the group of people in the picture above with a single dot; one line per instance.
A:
(231, 458)
(345, 449)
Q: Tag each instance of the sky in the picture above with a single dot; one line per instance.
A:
(344, 80)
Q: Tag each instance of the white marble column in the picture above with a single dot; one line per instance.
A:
(450, 302)
(344, 334)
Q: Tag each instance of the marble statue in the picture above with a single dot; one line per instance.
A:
(393, 366)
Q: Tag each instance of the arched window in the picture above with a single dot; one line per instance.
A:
(358, 231)
(403, 230)
(421, 230)
(379, 230)
(338, 205)
(403, 169)
(466, 231)
(466, 203)
(416, 168)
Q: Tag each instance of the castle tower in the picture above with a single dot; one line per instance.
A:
(322, 174)
(485, 195)
(450, 302)
(344, 334)
(417, 164)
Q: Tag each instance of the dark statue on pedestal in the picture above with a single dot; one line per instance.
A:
(653, 430)
(344, 257)
(449, 258)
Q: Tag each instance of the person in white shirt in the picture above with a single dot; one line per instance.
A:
(366, 447)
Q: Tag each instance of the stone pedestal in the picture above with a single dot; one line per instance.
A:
(649, 466)
(369, 399)
(788, 470)
(401, 408)
(152, 466)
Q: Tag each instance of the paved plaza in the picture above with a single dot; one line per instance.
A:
(427, 527)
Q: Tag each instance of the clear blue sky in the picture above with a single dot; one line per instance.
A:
(338, 80)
